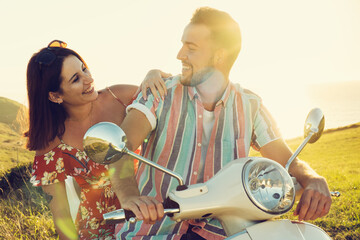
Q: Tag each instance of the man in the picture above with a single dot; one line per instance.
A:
(203, 123)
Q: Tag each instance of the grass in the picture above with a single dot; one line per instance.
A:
(23, 210)
(24, 213)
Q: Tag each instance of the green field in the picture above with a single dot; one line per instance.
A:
(336, 156)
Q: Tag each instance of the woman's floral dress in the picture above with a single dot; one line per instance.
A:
(97, 196)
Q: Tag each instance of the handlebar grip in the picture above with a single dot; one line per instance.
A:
(117, 216)
(129, 214)
(122, 215)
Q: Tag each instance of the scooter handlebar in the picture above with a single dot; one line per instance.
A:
(118, 216)
(298, 187)
(122, 215)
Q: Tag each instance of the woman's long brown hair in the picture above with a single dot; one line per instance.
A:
(46, 118)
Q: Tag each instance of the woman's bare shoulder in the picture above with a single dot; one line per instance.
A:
(53, 144)
(125, 89)
(124, 92)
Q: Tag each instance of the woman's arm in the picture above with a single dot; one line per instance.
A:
(153, 81)
(57, 200)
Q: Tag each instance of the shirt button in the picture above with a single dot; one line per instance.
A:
(195, 173)
(199, 144)
(200, 116)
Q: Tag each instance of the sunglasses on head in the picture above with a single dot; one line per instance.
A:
(46, 57)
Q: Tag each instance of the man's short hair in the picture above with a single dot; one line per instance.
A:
(225, 31)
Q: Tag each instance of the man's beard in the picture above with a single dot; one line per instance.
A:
(201, 76)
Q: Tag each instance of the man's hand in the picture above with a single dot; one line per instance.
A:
(145, 208)
(315, 201)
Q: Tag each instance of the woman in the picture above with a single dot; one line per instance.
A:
(63, 104)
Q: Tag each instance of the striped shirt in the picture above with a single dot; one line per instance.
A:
(241, 121)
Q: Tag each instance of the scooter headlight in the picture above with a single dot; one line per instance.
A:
(268, 185)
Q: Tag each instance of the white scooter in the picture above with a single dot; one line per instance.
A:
(245, 196)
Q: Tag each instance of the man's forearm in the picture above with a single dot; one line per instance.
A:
(280, 152)
(125, 186)
(123, 178)
(302, 172)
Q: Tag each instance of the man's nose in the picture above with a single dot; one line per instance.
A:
(181, 54)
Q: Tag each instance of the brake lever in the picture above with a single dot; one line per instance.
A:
(335, 194)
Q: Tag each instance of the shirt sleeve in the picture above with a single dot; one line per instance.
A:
(48, 168)
(265, 128)
(147, 108)
(150, 107)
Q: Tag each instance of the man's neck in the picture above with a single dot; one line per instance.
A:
(212, 90)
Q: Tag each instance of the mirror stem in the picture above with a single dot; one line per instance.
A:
(298, 150)
(157, 166)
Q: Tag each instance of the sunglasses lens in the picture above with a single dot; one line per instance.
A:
(46, 58)
(57, 43)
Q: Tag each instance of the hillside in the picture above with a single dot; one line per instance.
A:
(8, 110)
(12, 152)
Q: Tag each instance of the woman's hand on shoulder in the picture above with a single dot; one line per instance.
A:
(154, 81)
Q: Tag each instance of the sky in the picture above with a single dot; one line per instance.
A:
(287, 46)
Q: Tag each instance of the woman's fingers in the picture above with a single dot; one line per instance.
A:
(153, 89)
(154, 81)
(164, 74)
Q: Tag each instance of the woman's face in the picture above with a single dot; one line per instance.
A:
(77, 84)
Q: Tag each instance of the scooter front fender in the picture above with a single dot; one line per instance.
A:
(282, 229)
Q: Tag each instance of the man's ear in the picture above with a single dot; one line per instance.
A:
(55, 97)
(219, 57)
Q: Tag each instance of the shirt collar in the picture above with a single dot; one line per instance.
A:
(194, 94)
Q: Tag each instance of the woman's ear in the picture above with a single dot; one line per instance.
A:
(55, 97)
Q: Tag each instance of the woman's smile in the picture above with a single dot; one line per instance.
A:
(89, 90)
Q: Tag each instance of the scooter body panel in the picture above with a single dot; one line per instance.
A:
(222, 197)
(281, 230)
(311, 231)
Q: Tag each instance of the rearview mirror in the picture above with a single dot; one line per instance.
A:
(313, 129)
(104, 142)
(314, 123)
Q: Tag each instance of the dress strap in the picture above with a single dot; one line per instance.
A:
(116, 97)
